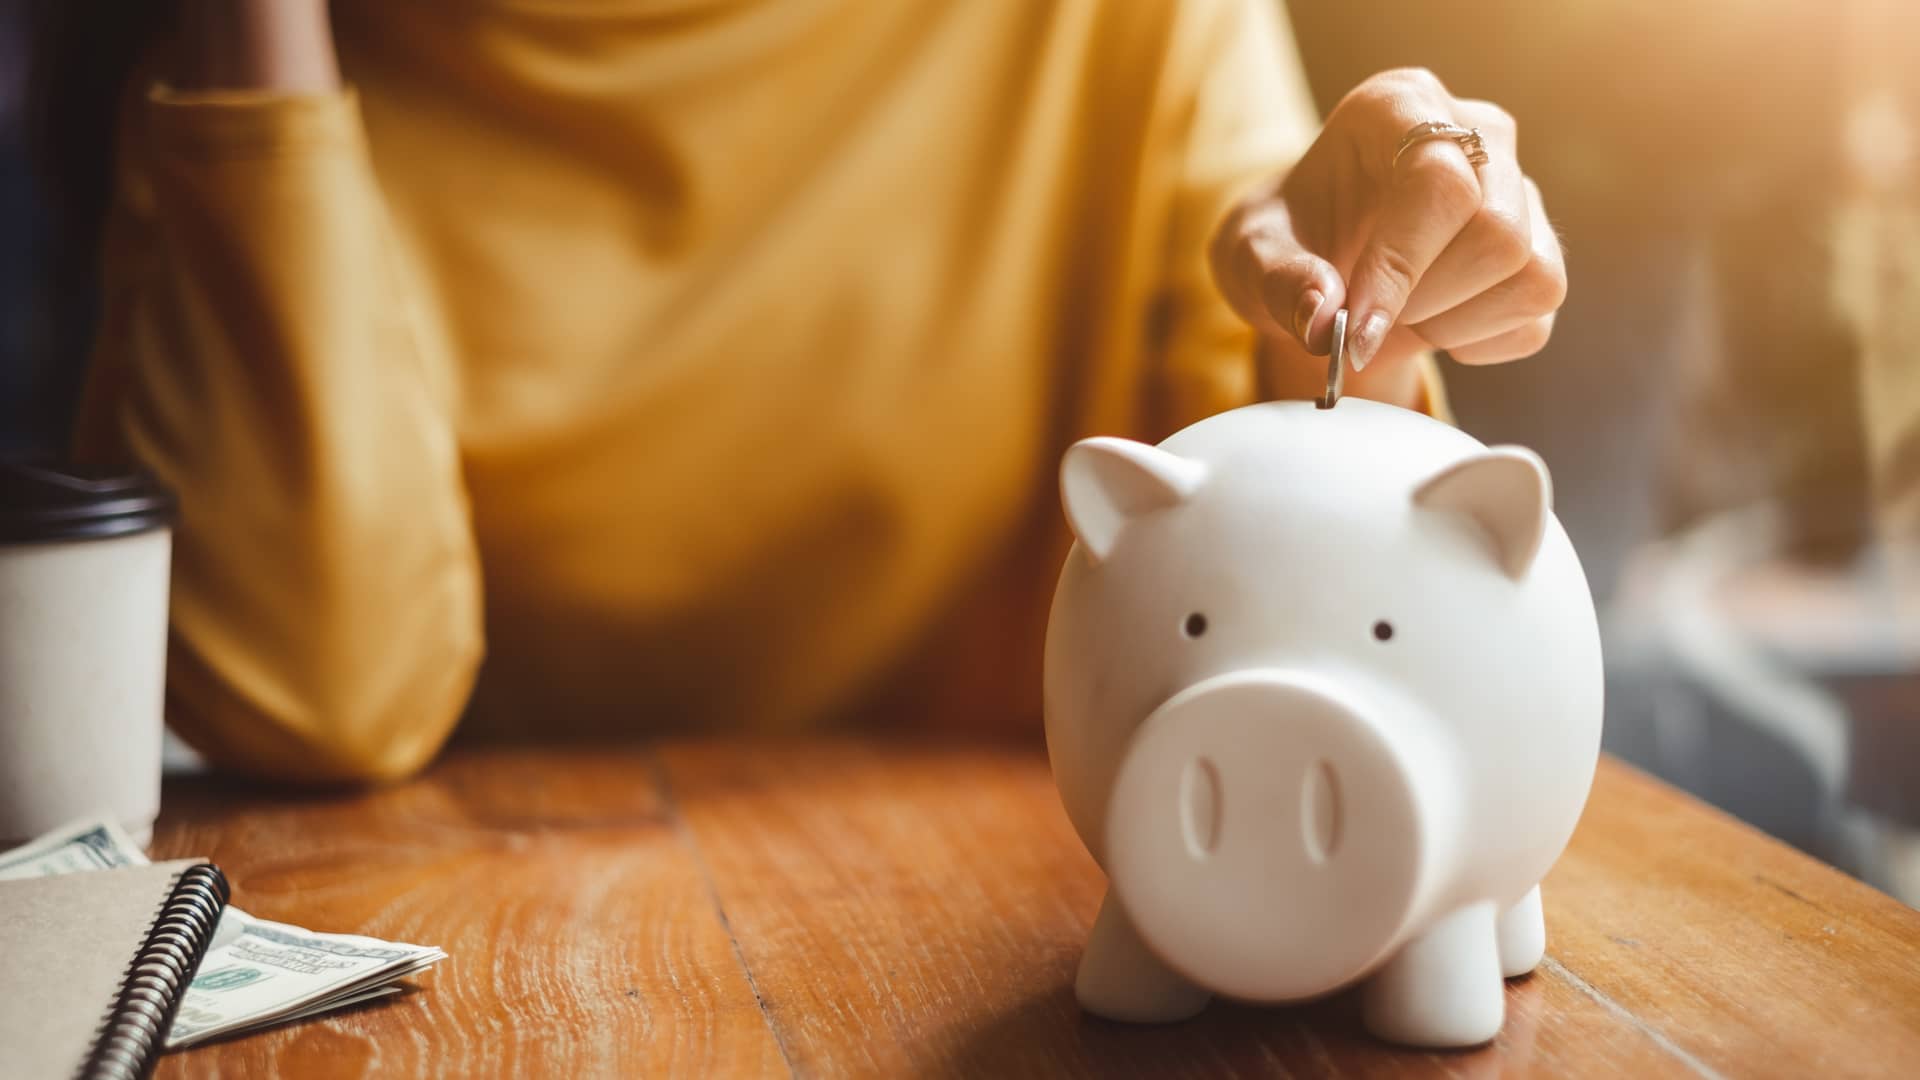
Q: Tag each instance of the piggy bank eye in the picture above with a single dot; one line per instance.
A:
(1383, 631)
(1195, 625)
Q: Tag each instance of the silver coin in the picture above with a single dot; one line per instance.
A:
(1336, 361)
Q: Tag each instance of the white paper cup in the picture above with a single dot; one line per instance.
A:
(84, 559)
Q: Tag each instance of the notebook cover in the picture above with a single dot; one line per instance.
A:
(72, 1005)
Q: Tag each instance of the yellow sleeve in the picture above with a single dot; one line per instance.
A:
(1244, 120)
(259, 354)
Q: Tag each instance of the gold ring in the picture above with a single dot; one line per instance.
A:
(1467, 139)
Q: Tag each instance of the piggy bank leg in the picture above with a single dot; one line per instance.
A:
(1444, 987)
(1523, 935)
(1121, 980)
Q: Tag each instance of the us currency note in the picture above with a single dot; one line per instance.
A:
(269, 972)
(256, 973)
(87, 845)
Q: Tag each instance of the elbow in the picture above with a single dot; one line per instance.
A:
(386, 737)
(321, 728)
(387, 741)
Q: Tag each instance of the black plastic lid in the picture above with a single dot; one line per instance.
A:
(41, 500)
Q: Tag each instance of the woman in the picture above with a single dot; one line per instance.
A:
(709, 362)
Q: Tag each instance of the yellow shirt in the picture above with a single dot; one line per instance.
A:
(708, 362)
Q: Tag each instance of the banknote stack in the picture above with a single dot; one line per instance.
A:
(257, 973)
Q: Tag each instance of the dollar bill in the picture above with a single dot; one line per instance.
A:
(256, 973)
(84, 845)
(269, 972)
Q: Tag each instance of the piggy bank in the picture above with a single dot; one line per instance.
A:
(1323, 698)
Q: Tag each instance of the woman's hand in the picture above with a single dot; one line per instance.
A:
(279, 46)
(1426, 252)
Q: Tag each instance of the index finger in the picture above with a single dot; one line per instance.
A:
(1432, 194)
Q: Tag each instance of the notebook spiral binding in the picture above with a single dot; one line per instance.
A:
(130, 1037)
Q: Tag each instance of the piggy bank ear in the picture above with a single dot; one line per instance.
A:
(1107, 483)
(1507, 491)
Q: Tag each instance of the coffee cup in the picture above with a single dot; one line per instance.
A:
(84, 559)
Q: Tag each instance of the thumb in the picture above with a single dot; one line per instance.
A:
(1272, 280)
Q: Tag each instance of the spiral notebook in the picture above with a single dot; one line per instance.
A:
(92, 966)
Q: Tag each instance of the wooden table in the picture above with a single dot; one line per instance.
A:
(836, 908)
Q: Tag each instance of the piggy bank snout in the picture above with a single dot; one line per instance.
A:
(1270, 835)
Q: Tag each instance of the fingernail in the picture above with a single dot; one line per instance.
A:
(1305, 310)
(1367, 340)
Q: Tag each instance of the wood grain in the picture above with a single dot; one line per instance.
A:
(1753, 958)
(583, 939)
(864, 908)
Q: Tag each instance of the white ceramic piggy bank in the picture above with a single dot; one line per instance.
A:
(1323, 698)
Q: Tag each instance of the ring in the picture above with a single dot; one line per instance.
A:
(1467, 139)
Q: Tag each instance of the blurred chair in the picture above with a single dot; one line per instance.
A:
(1766, 686)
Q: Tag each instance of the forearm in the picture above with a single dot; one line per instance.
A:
(276, 46)
(259, 354)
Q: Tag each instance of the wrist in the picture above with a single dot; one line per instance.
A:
(281, 46)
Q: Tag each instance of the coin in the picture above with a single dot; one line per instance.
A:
(1336, 361)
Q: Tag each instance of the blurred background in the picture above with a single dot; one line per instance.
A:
(1730, 405)
(1731, 401)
